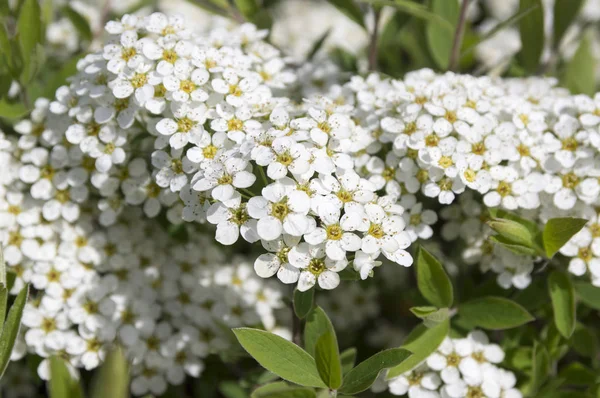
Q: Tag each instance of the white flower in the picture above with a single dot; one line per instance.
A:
(315, 267)
(186, 126)
(276, 262)
(281, 208)
(222, 178)
(335, 233)
(172, 169)
(231, 218)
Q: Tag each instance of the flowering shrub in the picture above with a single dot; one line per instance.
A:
(174, 198)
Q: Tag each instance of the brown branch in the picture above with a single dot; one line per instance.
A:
(458, 36)
(373, 41)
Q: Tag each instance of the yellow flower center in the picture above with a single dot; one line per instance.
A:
(570, 180)
(376, 231)
(334, 232)
(139, 80)
(128, 53)
(235, 125)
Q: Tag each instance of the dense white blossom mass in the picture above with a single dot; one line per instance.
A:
(166, 141)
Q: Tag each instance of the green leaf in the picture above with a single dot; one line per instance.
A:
(79, 22)
(416, 10)
(30, 32)
(422, 341)
(499, 27)
(364, 374)
(351, 10)
(584, 341)
(531, 29)
(541, 367)
(280, 356)
(494, 313)
(564, 14)
(327, 357)
(348, 358)
(431, 316)
(112, 379)
(282, 390)
(439, 41)
(230, 389)
(11, 328)
(518, 249)
(303, 302)
(580, 72)
(588, 293)
(558, 231)
(12, 110)
(577, 373)
(563, 302)
(513, 231)
(349, 274)
(2, 268)
(3, 304)
(432, 280)
(317, 323)
(62, 384)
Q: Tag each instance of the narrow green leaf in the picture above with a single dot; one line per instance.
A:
(29, 27)
(282, 390)
(351, 10)
(565, 12)
(327, 357)
(588, 293)
(280, 356)
(416, 10)
(432, 280)
(79, 22)
(531, 29)
(364, 374)
(303, 302)
(248, 8)
(558, 231)
(318, 44)
(62, 384)
(580, 71)
(499, 27)
(348, 358)
(438, 39)
(317, 323)
(112, 379)
(11, 328)
(563, 302)
(494, 313)
(422, 341)
(541, 367)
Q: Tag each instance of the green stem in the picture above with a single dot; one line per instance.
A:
(263, 175)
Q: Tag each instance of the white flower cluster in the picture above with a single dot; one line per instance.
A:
(165, 129)
(464, 367)
(100, 275)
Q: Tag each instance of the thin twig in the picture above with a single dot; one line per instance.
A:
(296, 328)
(458, 36)
(373, 41)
